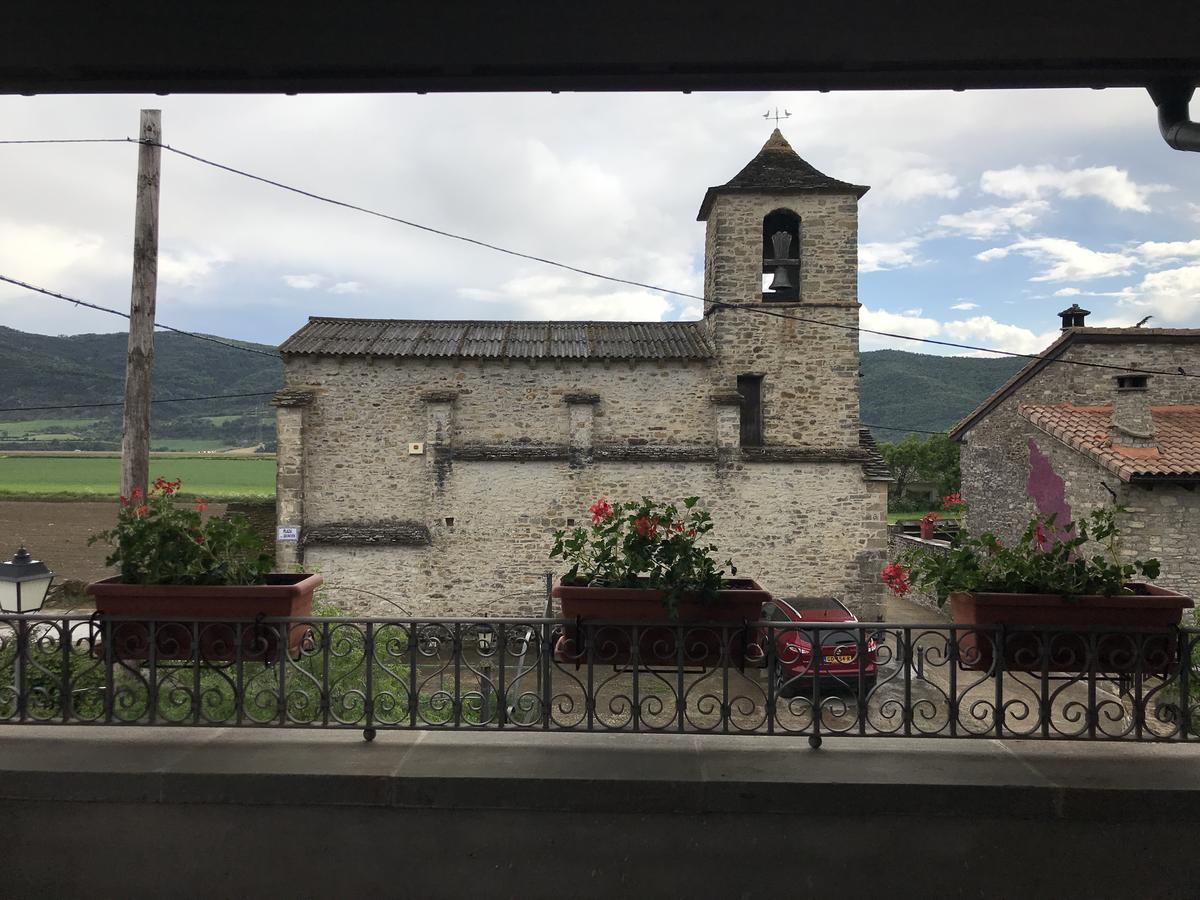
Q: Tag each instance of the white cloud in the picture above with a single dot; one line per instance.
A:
(896, 175)
(1153, 252)
(985, 331)
(190, 268)
(991, 221)
(304, 282)
(965, 305)
(896, 323)
(881, 255)
(913, 184)
(346, 287)
(1108, 183)
(1172, 296)
(567, 297)
(1066, 260)
(1067, 292)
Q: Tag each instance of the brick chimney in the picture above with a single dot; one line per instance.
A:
(1073, 316)
(1132, 425)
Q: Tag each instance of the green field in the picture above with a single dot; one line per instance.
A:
(99, 477)
(44, 429)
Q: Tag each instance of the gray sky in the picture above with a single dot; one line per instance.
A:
(988, 213)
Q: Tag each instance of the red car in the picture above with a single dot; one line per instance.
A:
(838, 667)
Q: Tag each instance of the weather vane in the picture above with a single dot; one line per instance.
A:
(777, 116)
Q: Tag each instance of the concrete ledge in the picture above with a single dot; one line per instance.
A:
(646, 773)
(224, 812)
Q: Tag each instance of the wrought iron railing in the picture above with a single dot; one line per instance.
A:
(863, 680)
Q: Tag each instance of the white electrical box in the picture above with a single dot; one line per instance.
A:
(416, 449)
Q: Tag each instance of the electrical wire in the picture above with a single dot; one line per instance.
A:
(587, 272)
(116, 312)
(652, 287)
(898, 428)
(122, 403)
(860, 330)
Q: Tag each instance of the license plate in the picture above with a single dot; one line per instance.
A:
(843, 659)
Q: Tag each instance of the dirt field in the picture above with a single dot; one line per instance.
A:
(57, 534)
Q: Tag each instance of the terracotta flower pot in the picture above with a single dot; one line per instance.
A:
(657, 643)
(226, 615)
(1057, 620)
(928, 529)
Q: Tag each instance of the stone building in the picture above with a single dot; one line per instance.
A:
(430, 461)
(1067, 439)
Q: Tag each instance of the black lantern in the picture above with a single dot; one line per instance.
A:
(24, 583)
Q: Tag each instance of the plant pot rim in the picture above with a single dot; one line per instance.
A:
(737, 589)
(1150, 596)
(279, 584)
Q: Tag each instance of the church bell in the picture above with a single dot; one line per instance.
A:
(781, 280)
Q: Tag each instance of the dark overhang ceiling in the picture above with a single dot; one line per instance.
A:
(519, 45)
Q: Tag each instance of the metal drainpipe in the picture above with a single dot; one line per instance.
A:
(1172, 100)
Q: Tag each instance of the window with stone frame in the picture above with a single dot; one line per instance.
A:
(750, 387)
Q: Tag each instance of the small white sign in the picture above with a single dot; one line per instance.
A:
(287, 533)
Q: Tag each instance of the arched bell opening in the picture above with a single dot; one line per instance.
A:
(781, 255)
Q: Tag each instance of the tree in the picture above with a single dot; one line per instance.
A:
(933, 459)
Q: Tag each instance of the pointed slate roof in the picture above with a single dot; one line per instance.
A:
(778, 169)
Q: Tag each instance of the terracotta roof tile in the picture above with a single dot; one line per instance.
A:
(1085, 428)
(1059, 347)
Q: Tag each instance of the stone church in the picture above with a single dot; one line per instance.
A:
(429, 462)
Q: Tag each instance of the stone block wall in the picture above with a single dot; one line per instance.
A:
(810, 389)
(798, 528)
(999, 451)
(733, 247)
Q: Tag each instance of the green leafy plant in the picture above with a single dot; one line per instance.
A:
(647, 544)
(1047, 559)
(157, 540)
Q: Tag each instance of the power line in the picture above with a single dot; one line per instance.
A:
(652, 287)
(898, 428)
(121, 402)
(860, 330)
(125, 315)
(124, 140)
(598, 275)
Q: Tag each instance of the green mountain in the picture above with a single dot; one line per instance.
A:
(903, 391)
(42, 370)
(899, 390)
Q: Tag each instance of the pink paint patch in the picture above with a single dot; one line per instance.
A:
(1045, 487)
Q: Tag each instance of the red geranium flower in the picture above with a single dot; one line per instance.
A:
(124, 500)
(141, 511)
(646, 527)
(600, 511)
(895, 576)
(1039, 535)
(200, 504)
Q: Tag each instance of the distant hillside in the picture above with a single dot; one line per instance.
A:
(930, 393)
(902, 390)
(43, 370)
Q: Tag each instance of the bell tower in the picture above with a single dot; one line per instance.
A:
(781, 241)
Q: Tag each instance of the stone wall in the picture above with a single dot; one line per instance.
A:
(810, 392)
(1162, 521)
(900, 544)
(798, 528)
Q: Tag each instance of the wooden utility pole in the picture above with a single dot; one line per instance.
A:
(139, 363)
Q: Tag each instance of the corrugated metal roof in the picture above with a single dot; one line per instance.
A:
(501, 340)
